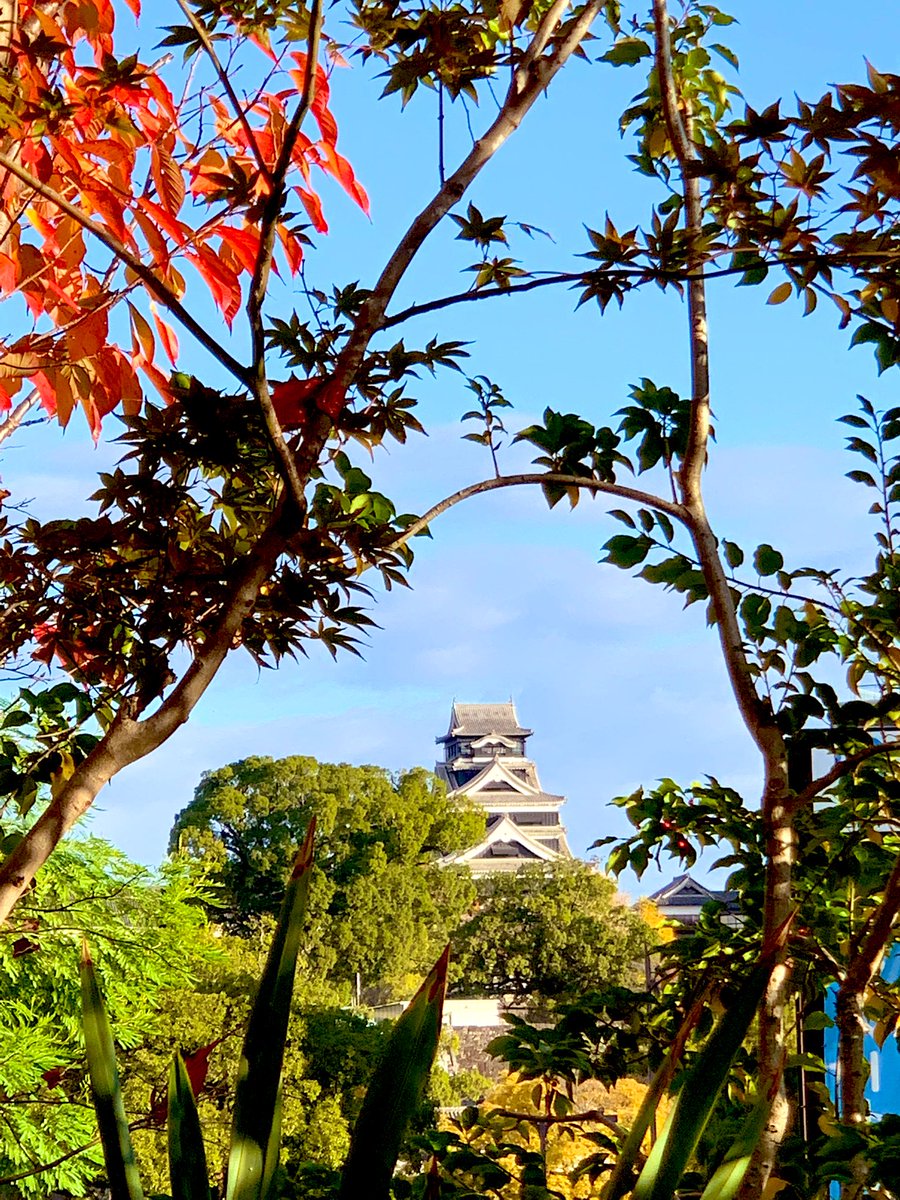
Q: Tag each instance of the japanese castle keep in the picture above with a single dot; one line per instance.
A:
(484, 759)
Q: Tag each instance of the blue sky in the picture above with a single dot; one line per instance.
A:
(620, 686)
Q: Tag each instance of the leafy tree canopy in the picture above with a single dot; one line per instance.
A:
(380, 904)
(552, 932)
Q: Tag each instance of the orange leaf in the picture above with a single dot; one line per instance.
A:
(292, 248)
(338, 166)
(175, 229)
(320, 110)
(6, 395)
(289, 399)
(7, 274)
(29, 283)
(313, 206)
(46, 391)
(135, 6)
(167, 176)
(142, 340)
(157, 378)
(117, 377)
(88, 335)
(155, 242)
(224, 284)
(245, 244)
(166, 335)
(161, 93)
(261, 41)
(49, 27)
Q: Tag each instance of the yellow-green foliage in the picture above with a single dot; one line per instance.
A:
(565, 1145)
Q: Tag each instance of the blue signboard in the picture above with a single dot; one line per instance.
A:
(883, 1088)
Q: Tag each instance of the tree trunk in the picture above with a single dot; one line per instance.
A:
(853, 1074)
(781, 853)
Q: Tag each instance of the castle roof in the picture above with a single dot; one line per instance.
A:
(506, 846)
(477, 720)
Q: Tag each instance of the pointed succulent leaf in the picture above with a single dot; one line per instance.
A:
(106, 1091)
(187, 1156)
(395, 1091)
(259, 1073)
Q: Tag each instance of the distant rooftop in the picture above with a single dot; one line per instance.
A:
(475, 720)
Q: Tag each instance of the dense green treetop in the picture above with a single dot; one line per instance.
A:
(549, 932)
(381, 905)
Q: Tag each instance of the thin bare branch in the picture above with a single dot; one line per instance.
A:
(240, 111)
(634, 276)
(757, 719)
(685, 151)
(154, 284)
(538, 43)
(780, 835)
(594, 1116)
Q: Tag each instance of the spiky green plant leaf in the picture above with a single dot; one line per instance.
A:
(395, 1091)
(694, 1103)
(253, 1158)
(187, 1156)
(624, 1170)
(118, 1152)
(729, 1175)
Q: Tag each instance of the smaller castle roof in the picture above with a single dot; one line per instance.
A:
(683, 899)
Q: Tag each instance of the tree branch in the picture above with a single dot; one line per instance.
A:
(620, 491)
(686, 155)
(595, 1115)
(755, 717)
(18, 415)
(127, 739)
(648, 274)
(256, 295)
(845, 767)
(527, 86)
(780, 835)
(153, 283)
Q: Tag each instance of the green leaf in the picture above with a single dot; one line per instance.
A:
(627, 52)
(818, 1020)
(188, 1175)
(621, 515)
(624, 551)
(259, 1072)
(395, 1091)
(862, 477)
(767, 560)
(106, 1092)
(734, 555)
(15, 718)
